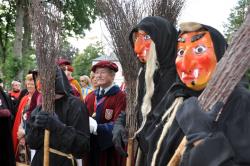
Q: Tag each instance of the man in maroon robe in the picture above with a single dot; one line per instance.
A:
(104, 105)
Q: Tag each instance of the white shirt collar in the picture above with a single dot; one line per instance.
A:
(106, 89)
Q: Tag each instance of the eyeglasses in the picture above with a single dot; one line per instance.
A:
(83, 81)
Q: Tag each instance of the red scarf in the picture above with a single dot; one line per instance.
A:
(17, 122)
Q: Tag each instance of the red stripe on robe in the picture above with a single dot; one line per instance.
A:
(17, 122)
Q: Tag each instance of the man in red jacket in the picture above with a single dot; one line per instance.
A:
(104, 105)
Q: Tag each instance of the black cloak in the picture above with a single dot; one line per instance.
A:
(6, 145)
(164, 35)
(175, 134)
(73, 138)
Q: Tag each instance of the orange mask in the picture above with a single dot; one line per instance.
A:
(196, 59)
(142, 43)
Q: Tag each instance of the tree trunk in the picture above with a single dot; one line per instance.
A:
(229, 72)
(27, 32)
(19, 35)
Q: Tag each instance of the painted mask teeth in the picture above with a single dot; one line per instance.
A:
(196, 73)
(183, 75)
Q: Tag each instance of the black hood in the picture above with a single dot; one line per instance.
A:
(164, 35)
(219, 42)
(62, 85)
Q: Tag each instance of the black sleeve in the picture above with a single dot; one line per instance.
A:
(74, 137)
(214, 150)
(34, 135)
(229, 144)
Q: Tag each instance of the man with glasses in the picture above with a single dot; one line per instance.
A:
(104, 106)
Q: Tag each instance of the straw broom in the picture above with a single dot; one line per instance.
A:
(45, 27)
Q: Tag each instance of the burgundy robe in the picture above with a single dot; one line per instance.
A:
(111, 104)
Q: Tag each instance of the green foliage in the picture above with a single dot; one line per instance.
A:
(12, 65)
(7, 26)
(10, 68)
(78, 15)
(235, 20)
(29, 63)
(68, 51)
(82, 62)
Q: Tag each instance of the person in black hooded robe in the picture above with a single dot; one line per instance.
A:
(154, 41)
(6, 114)
(209, 143)
(68, 126)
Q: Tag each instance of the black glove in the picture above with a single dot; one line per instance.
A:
(194, 122)
(48, 121)
(120, 136)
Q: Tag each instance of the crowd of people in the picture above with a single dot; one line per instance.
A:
(88, 126)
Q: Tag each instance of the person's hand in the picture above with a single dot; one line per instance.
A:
(92, 126)
(48, 121)
(20, 132)
(120, 134)
(194, 122)
(5, 113)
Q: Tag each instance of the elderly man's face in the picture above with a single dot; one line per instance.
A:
(104, 77)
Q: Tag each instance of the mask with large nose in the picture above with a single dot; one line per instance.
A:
(142, 42)
(196, 59)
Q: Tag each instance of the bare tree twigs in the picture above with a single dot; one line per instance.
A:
(170, 9)
(120, 16)
(46, 31)
(119, 19)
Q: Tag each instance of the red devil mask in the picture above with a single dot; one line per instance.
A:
(142, 43)
(196, 59)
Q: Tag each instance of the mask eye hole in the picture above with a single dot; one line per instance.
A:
(147, 37)
(180, 52)
(200, 49)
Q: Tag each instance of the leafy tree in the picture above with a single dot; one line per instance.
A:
(78, 15)
(82, 62)
(7, 22)
(235, 20)
(67, 51)
(10, 69)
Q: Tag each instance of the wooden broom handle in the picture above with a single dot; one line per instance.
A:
(130, 150)
(46, 148)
